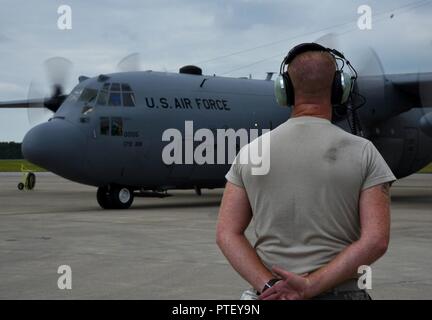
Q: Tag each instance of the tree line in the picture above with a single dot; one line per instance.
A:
(10, 150)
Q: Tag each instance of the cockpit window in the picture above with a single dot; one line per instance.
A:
(128, 99)
(114, 99)
(126, 87)
(116, 126)
(115, 87)
(116, 94)
(128, 95)
(111, 126)
(104, 126)
(88, 95)
(75, 94)
(103, 98)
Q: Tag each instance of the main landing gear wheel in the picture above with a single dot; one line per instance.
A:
(122, 197)
(115, 197)
(103, 198)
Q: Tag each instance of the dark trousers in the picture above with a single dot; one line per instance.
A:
(347, 290)
(344, 295)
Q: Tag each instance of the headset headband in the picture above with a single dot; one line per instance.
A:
(303, 48)
(343, 83)
(343, 86)
(307, 47)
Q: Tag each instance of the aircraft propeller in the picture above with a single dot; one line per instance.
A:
(370, 70)
(366, 61)
(57, 70)
(130, 63)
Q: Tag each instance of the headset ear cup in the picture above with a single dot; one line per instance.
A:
(284, 91)
(346, 87)
(337, 89)
(280, 92)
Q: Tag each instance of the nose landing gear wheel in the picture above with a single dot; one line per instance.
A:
(115, 197)
(31, 181)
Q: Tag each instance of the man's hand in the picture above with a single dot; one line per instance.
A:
(373, 242)
(291, 287)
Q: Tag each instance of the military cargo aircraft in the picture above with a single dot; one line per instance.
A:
(107, 132)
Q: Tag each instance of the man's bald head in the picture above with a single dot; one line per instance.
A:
(312, 75)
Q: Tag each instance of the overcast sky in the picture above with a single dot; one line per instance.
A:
(224, 37)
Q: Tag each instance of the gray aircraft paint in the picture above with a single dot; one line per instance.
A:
(71, 145)
(249, 104)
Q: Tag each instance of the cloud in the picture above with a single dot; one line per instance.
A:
(237, 37)
(8, 89)
(4, 38)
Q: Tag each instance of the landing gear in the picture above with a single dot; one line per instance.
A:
(122, 197)
(103, 198)
(28, 181)
(198, 191)
(31, 181)
(115, 197)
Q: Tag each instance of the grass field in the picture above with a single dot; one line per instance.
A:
(15, 166)
(428, 169)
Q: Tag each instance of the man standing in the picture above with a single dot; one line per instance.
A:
(322, 210)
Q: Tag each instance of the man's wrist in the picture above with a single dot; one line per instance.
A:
(270, 284)
(311, 288)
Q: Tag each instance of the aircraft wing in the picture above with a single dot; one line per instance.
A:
(416, 85)
(52, 103)
(20, 104)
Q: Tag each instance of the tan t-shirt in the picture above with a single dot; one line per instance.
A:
(306, 208)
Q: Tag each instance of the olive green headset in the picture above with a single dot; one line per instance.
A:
(343, 83)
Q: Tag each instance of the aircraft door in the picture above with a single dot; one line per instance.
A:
(106, 149)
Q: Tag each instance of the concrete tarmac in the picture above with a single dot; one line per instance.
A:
(165, 248)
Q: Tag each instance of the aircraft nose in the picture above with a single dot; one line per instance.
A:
(57, 146)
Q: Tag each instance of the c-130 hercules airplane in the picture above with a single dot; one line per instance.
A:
(107, 132)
